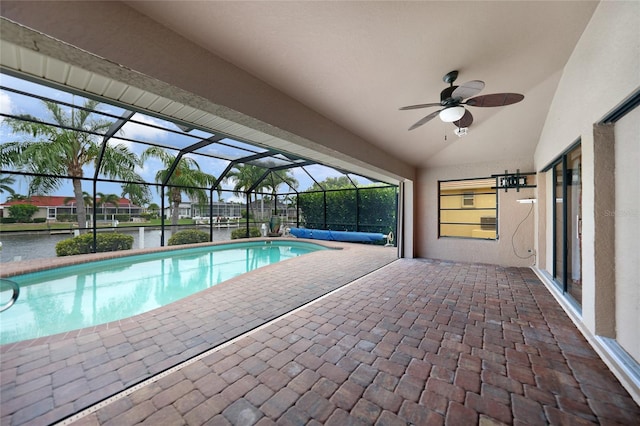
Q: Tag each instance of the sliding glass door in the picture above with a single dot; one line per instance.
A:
(567, 223)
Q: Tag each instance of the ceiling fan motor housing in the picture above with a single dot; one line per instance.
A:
(445, 96)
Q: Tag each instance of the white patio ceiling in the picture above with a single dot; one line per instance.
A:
(356, 63)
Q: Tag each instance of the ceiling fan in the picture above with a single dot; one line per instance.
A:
(452, 101)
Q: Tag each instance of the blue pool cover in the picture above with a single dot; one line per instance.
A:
(328, 235)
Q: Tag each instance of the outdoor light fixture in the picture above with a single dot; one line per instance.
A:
(451, 114)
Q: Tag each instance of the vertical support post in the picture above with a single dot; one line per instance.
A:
(565, 216)
(397, 210)
(162, 210)
(93, 218)
(211, 214)
(604, 228)
(357, 210)
(497, 207)
(554, 221)
(247, 212)
(324, 205)
(141, 237)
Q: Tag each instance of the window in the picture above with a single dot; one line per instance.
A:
(467, 200)
(468, 208)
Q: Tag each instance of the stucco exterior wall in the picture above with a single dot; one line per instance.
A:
(627, 232)
(540, 225)
(603, 70)
(510, 214)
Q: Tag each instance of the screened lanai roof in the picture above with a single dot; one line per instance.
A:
(215, 152)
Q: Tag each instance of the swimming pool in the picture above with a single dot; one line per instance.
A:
(93, 293)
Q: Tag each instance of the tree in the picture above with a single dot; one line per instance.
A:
(17, 197)
(280, 178)
(137, 193)
(5, 184)
(186, 178)
(22, 212)
(341, 182)
(65, 150)
(151, 212)
(244, 176)
(376, 211)
(86, 197)
(340, 209)
(378, 208)
(106, 199)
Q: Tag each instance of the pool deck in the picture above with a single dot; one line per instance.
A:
(337, 337)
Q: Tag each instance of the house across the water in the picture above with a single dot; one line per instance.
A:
(58, 208)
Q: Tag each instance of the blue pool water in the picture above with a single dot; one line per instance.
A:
(85, 295)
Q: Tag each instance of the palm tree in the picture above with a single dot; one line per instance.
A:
(5, 184)
(186, 178)
(62, 151)
(137, 193)
(105, 199)
(17, 197)
(87, 199)
(280, 178)
(243, 177)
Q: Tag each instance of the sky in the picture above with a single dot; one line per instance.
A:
(143, 128)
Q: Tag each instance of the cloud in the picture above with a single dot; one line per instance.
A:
(149, 169)
(141, 130)
(6, 104)
(130, 145)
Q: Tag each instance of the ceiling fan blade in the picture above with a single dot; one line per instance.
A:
(495, 100)
(470, 88)
(420, 106)
(466, 119)
(425, 119)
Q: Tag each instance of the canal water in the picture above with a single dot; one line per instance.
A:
(40, 246)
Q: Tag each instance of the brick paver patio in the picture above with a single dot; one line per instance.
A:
(48, 379)
(416, 342)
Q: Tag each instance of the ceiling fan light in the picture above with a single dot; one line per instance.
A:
(451, 114)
